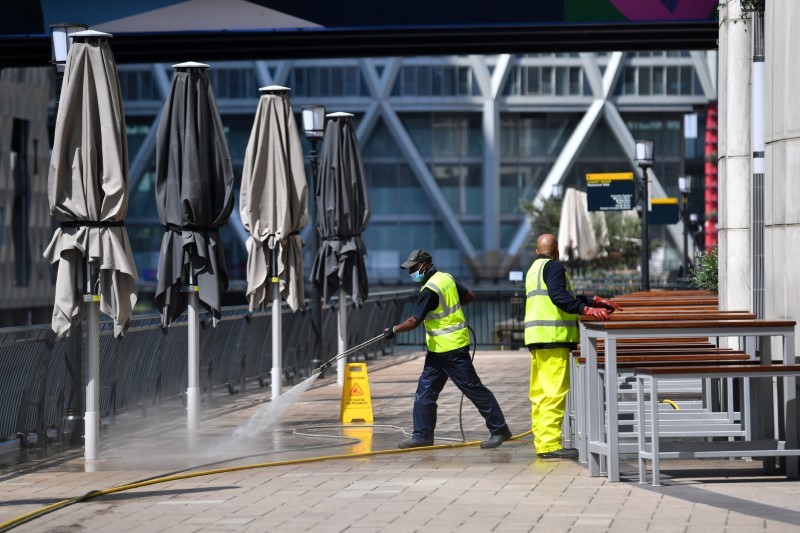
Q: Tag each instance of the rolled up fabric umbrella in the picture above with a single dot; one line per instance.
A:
(273, 202)
(88, 195)
(343, 211)
(88, 190)
(194, 194)
(576, 238)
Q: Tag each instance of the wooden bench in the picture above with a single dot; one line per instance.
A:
(648, 377)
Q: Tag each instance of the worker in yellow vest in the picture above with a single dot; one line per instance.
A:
(551, 331)
(439, 307)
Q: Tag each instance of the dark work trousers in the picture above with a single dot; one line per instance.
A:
(457, 366)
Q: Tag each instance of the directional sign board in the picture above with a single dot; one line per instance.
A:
(610, 191)
(663, 211)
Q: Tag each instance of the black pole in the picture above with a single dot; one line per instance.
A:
(645, 235)
(315, 303)
(685, 235)
(72, 424)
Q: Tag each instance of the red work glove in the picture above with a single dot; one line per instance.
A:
(597, 312)
(608, 304)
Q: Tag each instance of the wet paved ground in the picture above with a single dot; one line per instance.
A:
(452, 489)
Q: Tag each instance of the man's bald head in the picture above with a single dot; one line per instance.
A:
(547, 244)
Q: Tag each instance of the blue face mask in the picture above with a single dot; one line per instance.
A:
(417, 276)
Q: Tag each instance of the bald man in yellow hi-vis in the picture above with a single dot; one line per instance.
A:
(551, 331)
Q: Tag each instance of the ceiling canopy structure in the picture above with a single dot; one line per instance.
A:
(163, 30)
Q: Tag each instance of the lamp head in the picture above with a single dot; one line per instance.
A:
(685, 184)
(61, 40)
(313, 121)
(644, 153)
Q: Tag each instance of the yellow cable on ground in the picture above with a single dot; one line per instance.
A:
(5, 526)
(673, 404)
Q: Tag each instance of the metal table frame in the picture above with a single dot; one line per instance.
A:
(603, 438)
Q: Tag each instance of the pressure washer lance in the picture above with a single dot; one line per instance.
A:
(324, 366)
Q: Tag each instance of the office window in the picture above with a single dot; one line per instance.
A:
(233, 83)
(672, 81)
(547, 80)
(394, 190)
(138, 85)
(136, 129)
(435, 80)
(21, 214)
(461, 186)
(445, 134)
(327, 81)
(645, 85)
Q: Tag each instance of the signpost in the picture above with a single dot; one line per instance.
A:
(610, 191)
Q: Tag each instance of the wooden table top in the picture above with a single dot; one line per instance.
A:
(685, 324)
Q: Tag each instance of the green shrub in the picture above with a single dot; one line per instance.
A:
(705, 274)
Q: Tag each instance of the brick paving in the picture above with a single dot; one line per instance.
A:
(462, 489)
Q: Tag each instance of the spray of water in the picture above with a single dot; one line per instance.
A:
(270, 413)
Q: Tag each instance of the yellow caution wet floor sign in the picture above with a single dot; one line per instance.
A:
(356, 401)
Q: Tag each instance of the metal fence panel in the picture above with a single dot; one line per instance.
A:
(149, 364)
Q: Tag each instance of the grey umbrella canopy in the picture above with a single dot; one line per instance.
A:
(343, 212)
(273, 202)
(194, 193)
(88, 190)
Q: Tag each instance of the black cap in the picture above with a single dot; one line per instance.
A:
(416, 257)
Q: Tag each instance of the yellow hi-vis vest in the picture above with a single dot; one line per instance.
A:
(545, 322)
(445, 328)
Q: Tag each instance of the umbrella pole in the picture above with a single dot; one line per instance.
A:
(193, 328)
(92, 416)
(277, 329)
(342, 341)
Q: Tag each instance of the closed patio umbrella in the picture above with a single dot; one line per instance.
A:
(273, 205)
(88, 195)
(343, 212)
(576, 236)
(194, 195)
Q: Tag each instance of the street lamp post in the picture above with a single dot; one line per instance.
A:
(696, 228)
(314, 129)
(685, 187)
(644, 160)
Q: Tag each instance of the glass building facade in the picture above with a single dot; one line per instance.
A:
(451, 145)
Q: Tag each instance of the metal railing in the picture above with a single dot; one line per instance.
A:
(149, 364)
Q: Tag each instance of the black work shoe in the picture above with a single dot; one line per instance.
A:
(496, 440)
(413, 443)
(563, 453)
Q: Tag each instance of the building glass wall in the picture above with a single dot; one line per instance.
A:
(455, 137)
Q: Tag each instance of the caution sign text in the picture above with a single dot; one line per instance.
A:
(356, 401)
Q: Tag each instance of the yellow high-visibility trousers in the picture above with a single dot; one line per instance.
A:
(548, 394)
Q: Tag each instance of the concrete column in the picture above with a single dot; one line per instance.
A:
(491, 186)
(735, 287)
(782, 159)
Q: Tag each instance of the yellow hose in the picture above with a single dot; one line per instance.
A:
(5, 526)
(673, 404)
